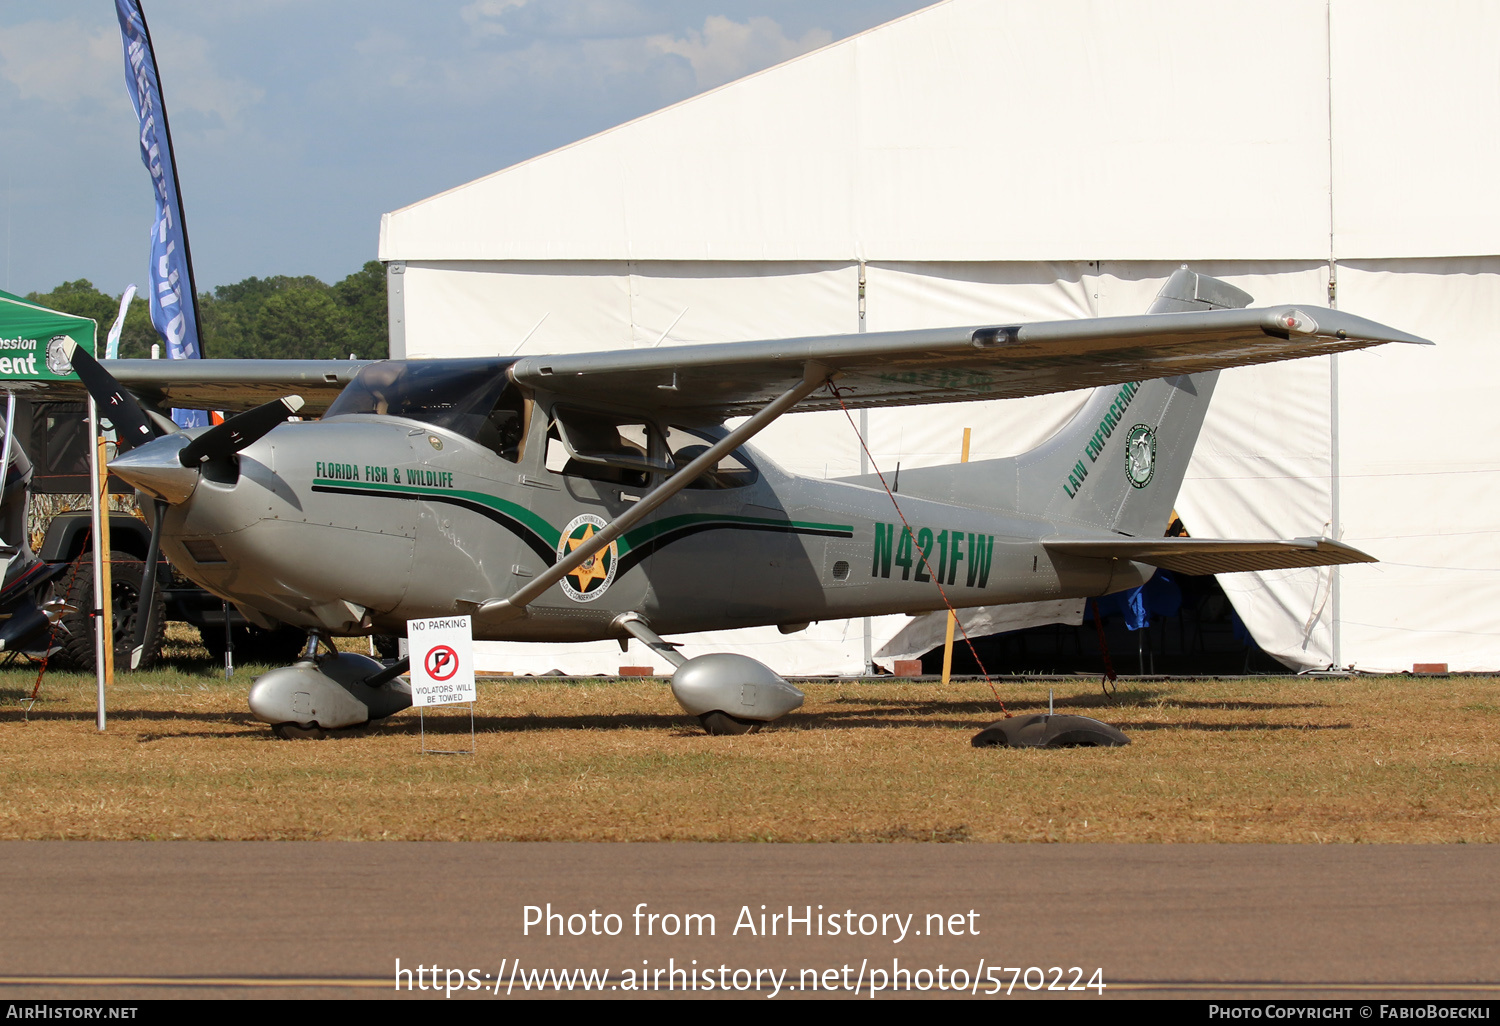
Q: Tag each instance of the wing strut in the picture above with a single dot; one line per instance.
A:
(813, 377)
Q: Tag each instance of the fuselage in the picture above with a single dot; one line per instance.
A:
(360, 521)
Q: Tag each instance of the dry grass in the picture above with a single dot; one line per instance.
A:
(1300, 760)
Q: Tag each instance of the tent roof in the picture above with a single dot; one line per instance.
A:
(21, 318)
(1036, 130)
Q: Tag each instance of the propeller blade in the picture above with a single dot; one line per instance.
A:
(132, 427)
(144, 614)
(238, 431)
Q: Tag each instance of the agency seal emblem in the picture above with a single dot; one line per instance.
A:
(57, 357)
(1140, 455)
(593, 577)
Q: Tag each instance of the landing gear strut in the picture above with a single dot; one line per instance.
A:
(729, 693)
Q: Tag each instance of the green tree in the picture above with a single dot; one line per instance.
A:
(362, 295)
(138, 334)
(301, 322)
(221, 326)
(280, 317)
(83, 299)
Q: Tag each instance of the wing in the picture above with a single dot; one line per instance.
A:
(706, 383)
(1213, 555)
(229, 385)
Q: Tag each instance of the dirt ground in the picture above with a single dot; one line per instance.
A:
(1394, 759)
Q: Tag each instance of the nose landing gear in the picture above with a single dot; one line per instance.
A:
(325, 692)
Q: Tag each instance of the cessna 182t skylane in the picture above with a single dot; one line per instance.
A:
(603, 495)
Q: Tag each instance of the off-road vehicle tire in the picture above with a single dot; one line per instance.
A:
(75, 632)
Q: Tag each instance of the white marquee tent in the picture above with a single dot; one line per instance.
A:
(984, 161)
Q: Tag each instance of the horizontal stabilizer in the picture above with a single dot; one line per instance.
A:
(1213, 555)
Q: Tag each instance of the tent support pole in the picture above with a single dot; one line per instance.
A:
(1335, 639)
(1335, 511)
(1336, 526)
(864, 468)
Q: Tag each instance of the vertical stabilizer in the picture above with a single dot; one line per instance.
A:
(1120, 462)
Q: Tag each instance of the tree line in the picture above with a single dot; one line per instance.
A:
(279, 317)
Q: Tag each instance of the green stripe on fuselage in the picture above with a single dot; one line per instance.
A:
(521, 514)
(646, 532)
(551, 535)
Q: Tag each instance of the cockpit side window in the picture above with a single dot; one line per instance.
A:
(472, 398)
(455, 394)
(504, 430)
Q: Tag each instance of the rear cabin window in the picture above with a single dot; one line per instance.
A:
(614, 448)
(732, 471)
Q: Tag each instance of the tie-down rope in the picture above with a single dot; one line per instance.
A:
(833, 390)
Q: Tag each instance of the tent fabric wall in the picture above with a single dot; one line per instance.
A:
(1415, 106)
(989, 162)
(971, 130)
(1419, 478)
(1262, 467)
(485, 308)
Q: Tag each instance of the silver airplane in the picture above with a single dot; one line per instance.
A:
(604, 495)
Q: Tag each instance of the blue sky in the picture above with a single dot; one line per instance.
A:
(297, 123)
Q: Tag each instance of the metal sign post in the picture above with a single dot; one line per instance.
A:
(442, 670)
(106, 564)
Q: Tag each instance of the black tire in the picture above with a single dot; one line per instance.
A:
(297, 732)
(75, 632)
(255, 644)
(388, 645)
(721, 723)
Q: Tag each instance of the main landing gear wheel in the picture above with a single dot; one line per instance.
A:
(297, 732)
(721, 723)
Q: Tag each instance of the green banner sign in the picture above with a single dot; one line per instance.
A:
(32, 338)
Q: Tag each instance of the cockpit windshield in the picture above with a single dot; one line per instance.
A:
(459, 395)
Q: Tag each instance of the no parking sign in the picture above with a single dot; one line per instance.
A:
(442, 660)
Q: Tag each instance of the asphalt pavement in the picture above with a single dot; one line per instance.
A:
(131, 920)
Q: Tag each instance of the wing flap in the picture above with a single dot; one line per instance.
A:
(1213, 555)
